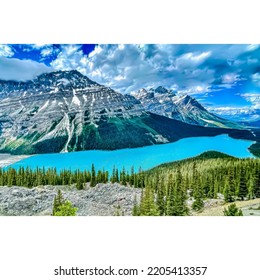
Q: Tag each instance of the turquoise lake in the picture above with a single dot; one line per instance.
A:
(145, 157)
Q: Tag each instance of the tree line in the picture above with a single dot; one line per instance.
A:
(29, 178)
(165, 189)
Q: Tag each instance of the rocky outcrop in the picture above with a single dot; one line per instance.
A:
(183, 108)
(64, 106)
(102, 200)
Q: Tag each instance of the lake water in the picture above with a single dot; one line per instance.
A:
(145, 157)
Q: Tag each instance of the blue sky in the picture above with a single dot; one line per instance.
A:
(224, 78)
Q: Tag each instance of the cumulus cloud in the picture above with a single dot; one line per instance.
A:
(46, 52)
(256, 78)
(70, 57)
(6, 51)
(237, 113)
(21, 70)
(230, 110)
(253, 98)
(128, 68)
(229, 78)
(189, 69)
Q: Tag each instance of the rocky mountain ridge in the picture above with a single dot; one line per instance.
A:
(183, 108)
(58, 105)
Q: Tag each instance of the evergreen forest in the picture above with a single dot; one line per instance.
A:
(165, 188)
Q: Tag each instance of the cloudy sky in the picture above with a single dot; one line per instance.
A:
(224, 78)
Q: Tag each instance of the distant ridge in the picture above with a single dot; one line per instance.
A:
(183, 108)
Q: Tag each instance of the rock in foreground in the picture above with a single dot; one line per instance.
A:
(102, 200)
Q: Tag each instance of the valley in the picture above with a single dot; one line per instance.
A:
(149, 153)
(65, 111)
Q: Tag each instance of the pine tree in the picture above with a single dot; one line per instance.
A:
(231, 181)
(58, 201)
(160, 198)
(136, 208)
(242, 190)
(132, 177)
(232, 210)
(197, 190)
(123, 177)
(257, 182)
(251, 194)
(93, 176)
(227, 192)
(180, 206)
(62, 207)
(80, 182)
(198, 196)
(147, 206)
(170, 199)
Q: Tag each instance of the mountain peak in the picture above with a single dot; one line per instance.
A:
(69, 75)
(60, 111)
(187, 100)
(184, 108)
(161, 89)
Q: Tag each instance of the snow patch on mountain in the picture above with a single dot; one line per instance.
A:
(184, 108)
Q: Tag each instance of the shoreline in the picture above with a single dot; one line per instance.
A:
(8, 159)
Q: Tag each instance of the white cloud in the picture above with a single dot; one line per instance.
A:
(6, 51)
(188, 68)
(46, 52)
(191, 59)
(229, 110)
(252, 47)
(253, 98)
(21, 70)
(127, 68)
(38, 46)
(256, 78)
(236, 113)
(70, 57)
(229, 78)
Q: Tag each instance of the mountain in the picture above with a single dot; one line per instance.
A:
(184, 108)
(253, 124)
(66, 111)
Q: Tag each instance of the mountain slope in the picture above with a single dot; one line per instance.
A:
(253, 124)
(66, 111)
(57, 111)
(184, 108)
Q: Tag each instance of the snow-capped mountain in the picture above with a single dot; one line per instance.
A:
(66, 111)
(184, 108)
(57, 105)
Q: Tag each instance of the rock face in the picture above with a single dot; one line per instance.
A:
(184, 108)
(102, 200)
(65, 106)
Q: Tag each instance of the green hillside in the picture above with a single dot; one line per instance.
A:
(168, 187)
(255, 148)
(112, 133)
